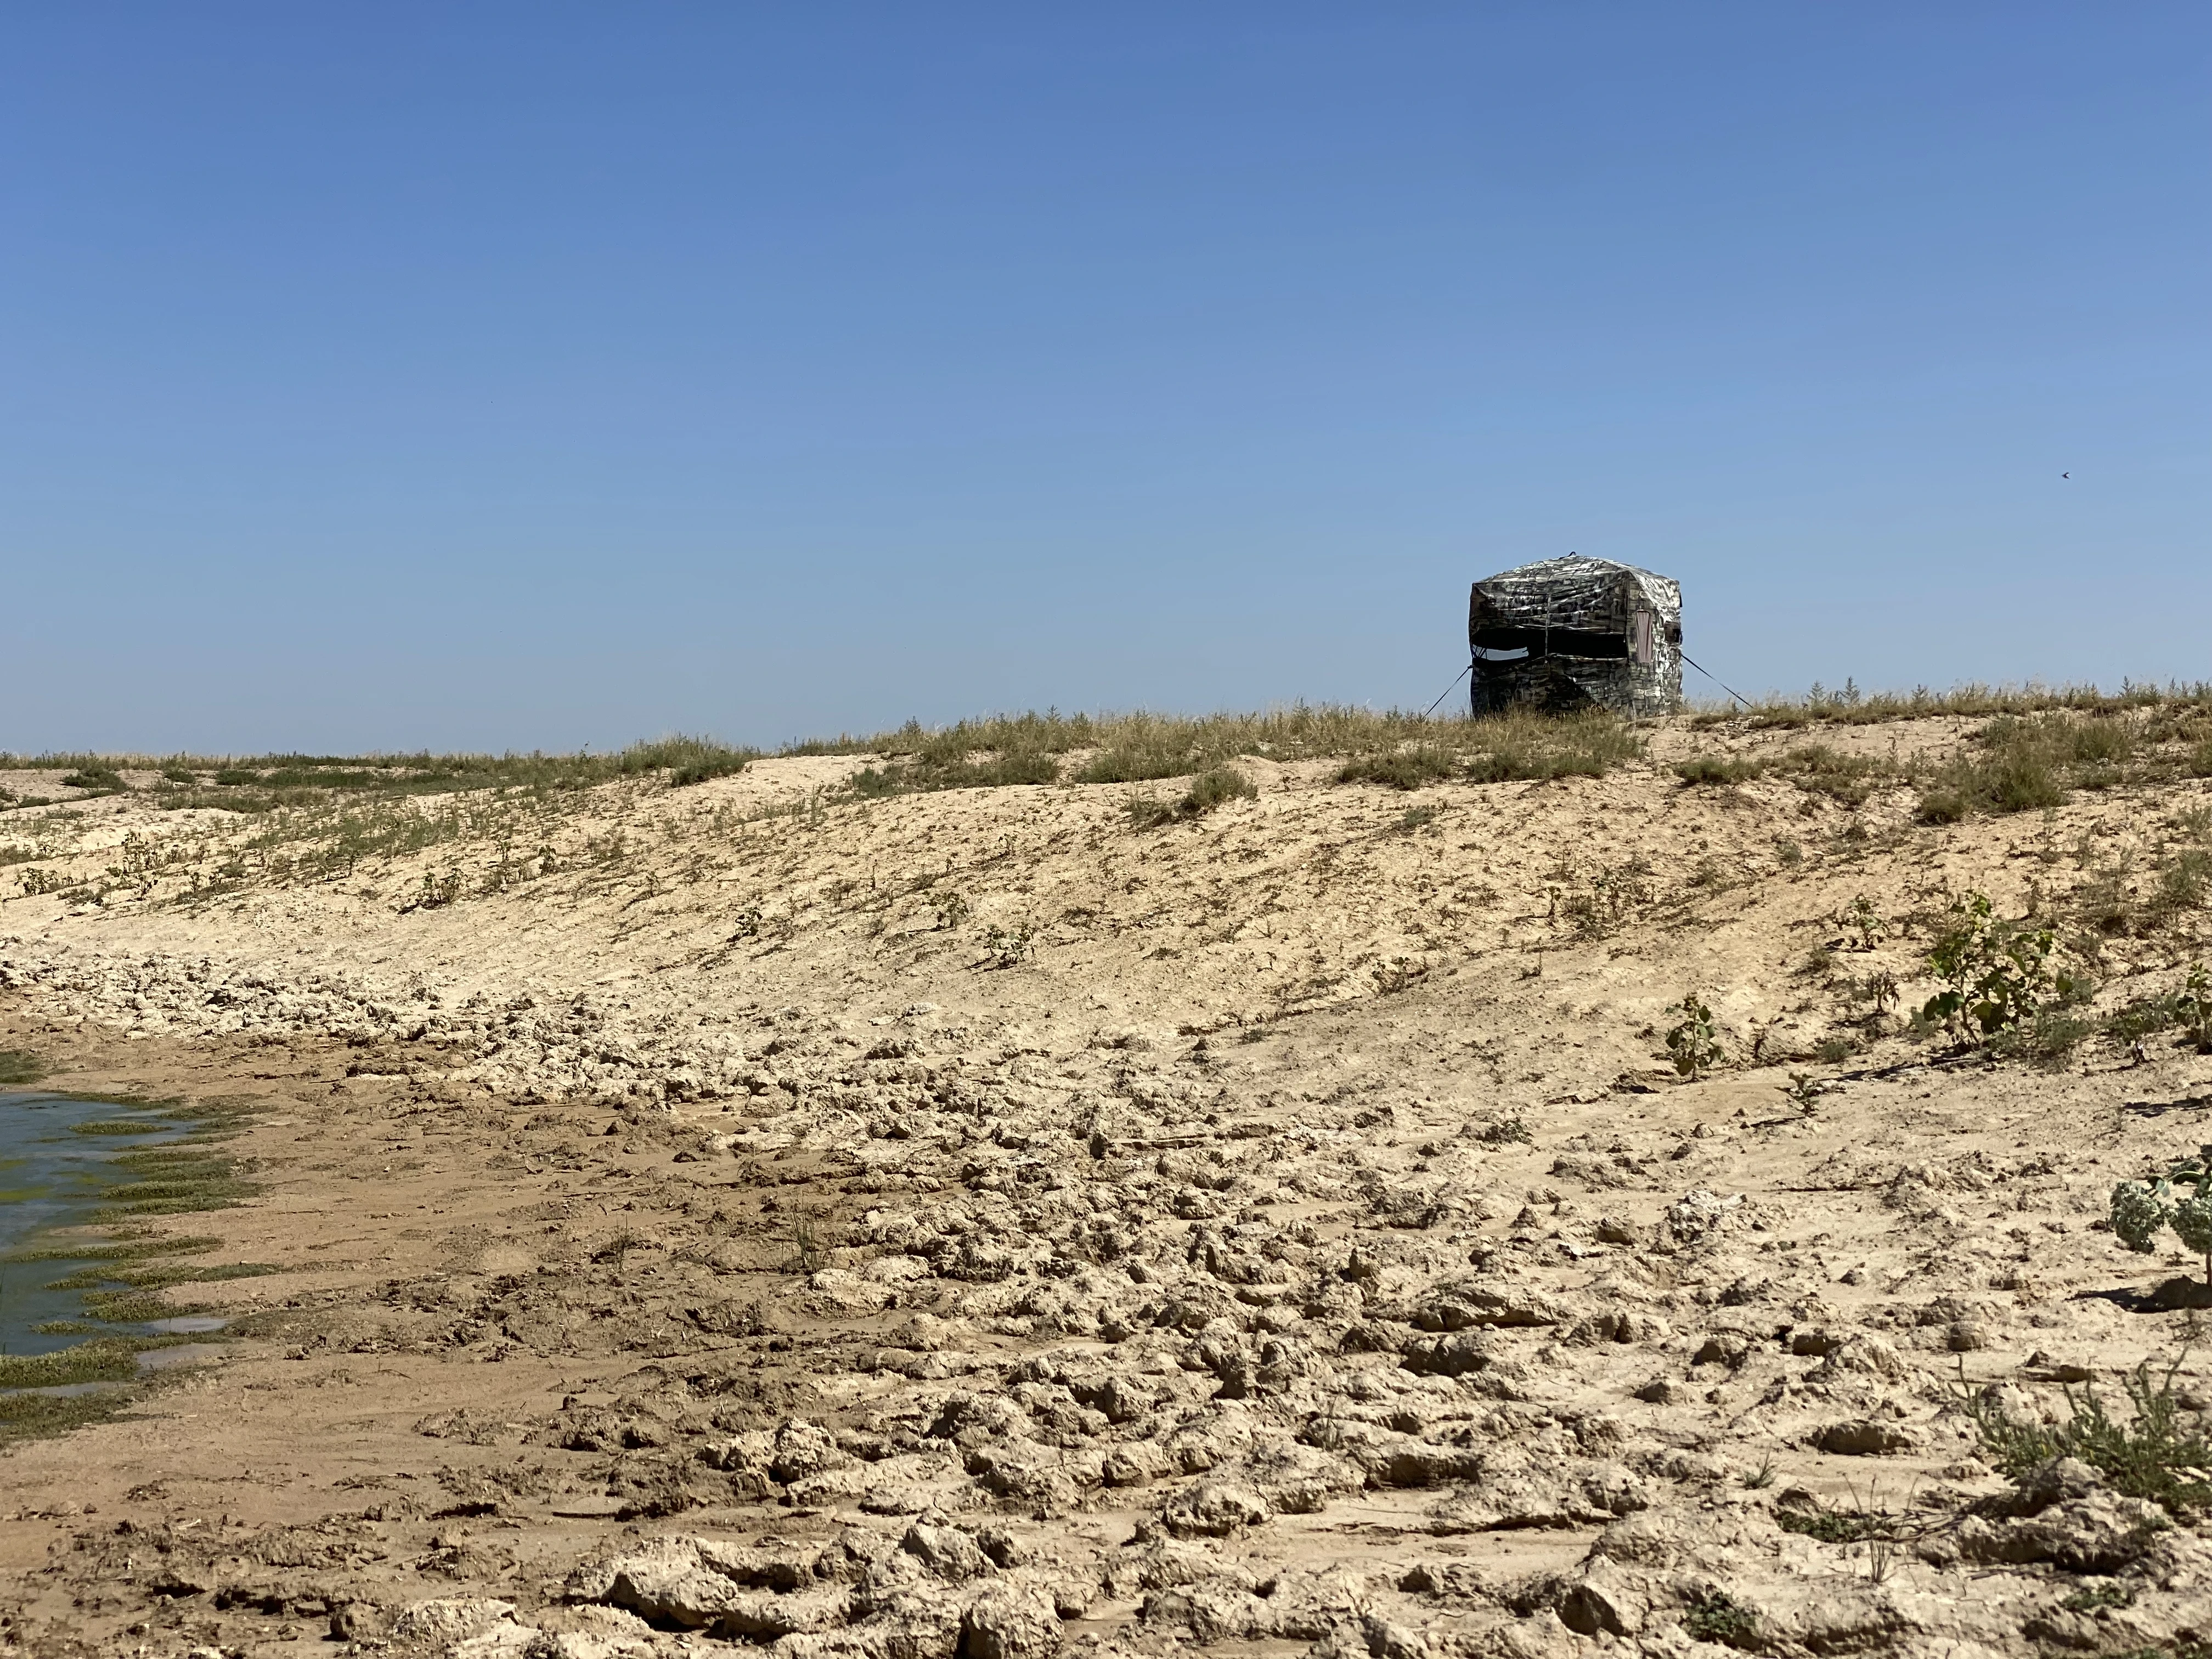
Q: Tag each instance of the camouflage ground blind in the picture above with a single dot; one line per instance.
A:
(1564, 633)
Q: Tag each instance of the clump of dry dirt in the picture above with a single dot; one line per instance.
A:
(972, 1224)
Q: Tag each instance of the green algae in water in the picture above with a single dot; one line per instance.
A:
(53, 1177)
(84, 1327)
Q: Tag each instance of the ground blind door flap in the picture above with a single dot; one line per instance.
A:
(1639, 637)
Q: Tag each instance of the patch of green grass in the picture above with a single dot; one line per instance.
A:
(1528, 747)
(113, 1126)
(2092, 1597)
(2047, 1038)
(41, 1416)
(1820, 770)
(2027, 763)
(132, 1249)
(1209, 790)
(104, 1360)
(153, 1278)
(175, 1179)
(1706, 770)
(1850, 707)
(100, 778)
(136, 1307)
(1833, 1526)
(18, 1066)
(1401, 768)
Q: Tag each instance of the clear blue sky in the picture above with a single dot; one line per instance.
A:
(501, 375)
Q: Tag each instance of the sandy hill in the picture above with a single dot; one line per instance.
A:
(969, 1221)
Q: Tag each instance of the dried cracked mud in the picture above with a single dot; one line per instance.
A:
(965, 1226)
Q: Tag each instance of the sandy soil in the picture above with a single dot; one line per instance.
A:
(964, 1225)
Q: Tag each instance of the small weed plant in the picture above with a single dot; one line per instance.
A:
(1717, 1616)
(1215, 787)
(1007, 948)
(438, 891)
(2091, 1598)
(1861, 919)
(1693, 1043)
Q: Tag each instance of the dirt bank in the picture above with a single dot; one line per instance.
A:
(969, 1222)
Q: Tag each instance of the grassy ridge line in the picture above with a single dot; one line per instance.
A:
(1299, 731)
(187, 780)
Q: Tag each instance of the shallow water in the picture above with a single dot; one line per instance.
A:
(52, 1174)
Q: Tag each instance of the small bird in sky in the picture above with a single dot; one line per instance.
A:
(2066, 475)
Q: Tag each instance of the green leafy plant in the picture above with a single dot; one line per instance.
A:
(1717, 1617)
(2192, 1008)
(1861, 917)
(1005, 947)
(2092, 1597)
(438, 891)
(2162, 1454)
(1693, 1043)
(2142, 1209)
(1995, 974)
(617, 1247)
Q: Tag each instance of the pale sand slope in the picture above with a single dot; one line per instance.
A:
(864, 1277)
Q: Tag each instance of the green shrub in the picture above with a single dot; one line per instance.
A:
(874, 782)
(1942, 805)
(1216, 787)
(2161, 1455)
(18, 1066)
(2026, 763)
(96, 778)
(2143, 1209)
(706, 768)
(1996, 973)
(1719, 769)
